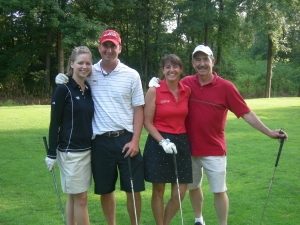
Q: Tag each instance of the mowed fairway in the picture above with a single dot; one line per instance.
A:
(27, 195)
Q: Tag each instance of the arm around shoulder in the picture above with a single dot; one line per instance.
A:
(61, 78)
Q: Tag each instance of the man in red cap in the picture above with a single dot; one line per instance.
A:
(117, 124)
(118, 97)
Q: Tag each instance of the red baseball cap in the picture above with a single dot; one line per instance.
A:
(110, 35)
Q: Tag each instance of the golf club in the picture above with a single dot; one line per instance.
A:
(132, 189)
(177, 182)
(59, 202)
(271, 182)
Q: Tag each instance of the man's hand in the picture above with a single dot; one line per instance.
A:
(50, 163)
(154, 82)
(168, 146)
(61, 78)
(282, 134)
(131, 149)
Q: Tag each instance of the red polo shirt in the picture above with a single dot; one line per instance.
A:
(170, 114)
(208, 107)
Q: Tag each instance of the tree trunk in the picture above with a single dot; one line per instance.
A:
(60, 53)
(48, 66)
(270, 57)
(47, 75)
(206, 25)
(146, 30)
(205, 34)
(219, 37)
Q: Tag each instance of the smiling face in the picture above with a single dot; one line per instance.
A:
(172, 71)
(172, 67)
(203, 65)
(109, 51)
(82, 66)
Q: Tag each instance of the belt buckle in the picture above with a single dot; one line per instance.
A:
(114, 134)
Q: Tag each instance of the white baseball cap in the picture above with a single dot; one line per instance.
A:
(204, 49)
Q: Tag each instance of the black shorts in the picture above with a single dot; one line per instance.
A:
(159, 166)
(108, 161)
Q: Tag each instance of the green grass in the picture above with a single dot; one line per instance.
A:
(27, 195)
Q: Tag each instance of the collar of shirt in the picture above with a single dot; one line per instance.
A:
(75, 85)
(164, 87)
(215, 79)
(98, 67)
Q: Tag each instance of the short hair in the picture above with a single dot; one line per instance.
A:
(172, 58)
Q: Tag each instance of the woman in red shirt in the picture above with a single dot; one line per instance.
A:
(166, 108)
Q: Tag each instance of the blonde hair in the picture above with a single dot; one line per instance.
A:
(76, 52)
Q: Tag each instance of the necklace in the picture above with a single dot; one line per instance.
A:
(105, 74)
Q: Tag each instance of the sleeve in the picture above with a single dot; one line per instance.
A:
(237, 104)
(57, 108)
(137, 91)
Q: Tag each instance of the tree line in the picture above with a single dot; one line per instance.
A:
(255, 42)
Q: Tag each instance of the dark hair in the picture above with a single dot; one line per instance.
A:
(173, 59)
(76, 52)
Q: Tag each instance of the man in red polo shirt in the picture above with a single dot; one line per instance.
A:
(211, 98)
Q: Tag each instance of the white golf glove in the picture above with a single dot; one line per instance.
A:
(168, 146)
(61, 78)
(154, 82)
(50, 163)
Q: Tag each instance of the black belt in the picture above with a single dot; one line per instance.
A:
(116, 133)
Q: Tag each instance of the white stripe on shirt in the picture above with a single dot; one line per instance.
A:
(115, 97)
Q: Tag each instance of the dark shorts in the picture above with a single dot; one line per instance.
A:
(108, 161)
(159, 166)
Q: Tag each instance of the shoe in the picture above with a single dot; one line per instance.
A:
(199, 223)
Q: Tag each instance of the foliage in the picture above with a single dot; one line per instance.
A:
(251, 73)
(36, 37)
(30, 30)
(271, 20)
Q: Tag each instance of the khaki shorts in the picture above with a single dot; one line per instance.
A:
(75, 171)
(215, 170)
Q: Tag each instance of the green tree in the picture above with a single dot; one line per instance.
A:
(35, 36)
(213, 23)
(271, 19)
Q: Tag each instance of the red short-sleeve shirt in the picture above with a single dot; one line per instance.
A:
(208, 107)
(170, 114)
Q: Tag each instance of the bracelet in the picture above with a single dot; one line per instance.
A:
(164, 140)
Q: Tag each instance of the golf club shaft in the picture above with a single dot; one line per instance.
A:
(59, 201)
(271, 182)
(279, 152)
(132, 189)
(178, 189)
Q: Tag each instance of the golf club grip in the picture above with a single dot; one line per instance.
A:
(45, 144)
(175, 164)
(279, 151)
